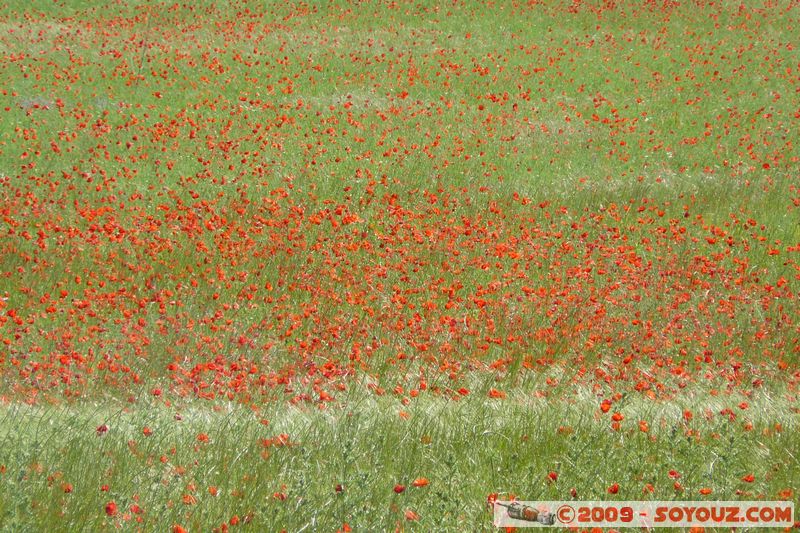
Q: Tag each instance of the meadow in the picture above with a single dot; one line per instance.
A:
(367, 266)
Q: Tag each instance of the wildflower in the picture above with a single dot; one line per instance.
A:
(411, 515)
(111, 508)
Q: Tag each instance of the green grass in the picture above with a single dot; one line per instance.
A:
(466, 449)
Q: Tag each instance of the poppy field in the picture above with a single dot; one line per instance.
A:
(368, 266)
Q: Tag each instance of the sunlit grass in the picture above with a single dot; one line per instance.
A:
(366, 445)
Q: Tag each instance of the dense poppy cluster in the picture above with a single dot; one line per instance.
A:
(276, 204)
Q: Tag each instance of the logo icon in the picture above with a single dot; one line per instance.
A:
(518, 511)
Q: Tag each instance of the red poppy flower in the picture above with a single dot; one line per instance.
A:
(411, 515)
(111, 508)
